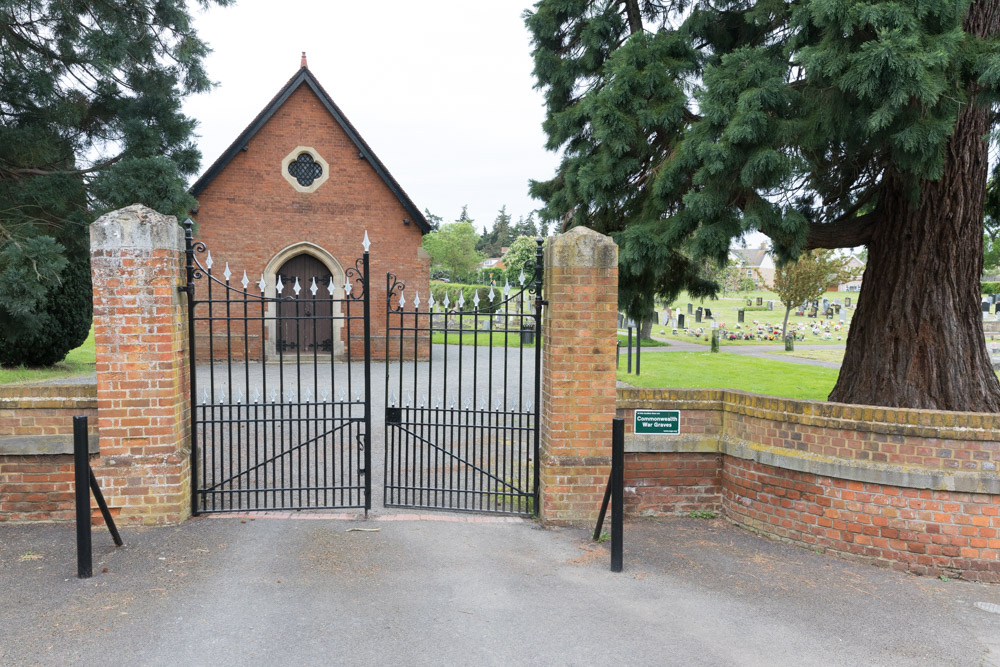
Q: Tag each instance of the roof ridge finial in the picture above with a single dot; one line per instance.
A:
(304, 60)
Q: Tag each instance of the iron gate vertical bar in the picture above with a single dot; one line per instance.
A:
(368, 383)
(192, 365)
(538, 366)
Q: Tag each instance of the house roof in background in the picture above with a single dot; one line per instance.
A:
(750, 256)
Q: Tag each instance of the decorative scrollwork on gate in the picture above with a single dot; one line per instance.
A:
(394, 288)
(356, 274)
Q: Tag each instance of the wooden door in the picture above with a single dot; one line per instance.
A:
(308, 329)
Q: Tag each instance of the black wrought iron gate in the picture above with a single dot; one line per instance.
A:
(462, 396)
(274, 425)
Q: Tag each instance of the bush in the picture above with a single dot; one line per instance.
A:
(990, 288)
(60, 324)
(439, 290)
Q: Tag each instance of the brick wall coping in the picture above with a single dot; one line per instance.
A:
(972, 427)
(64, 397)
(83, 396)
(891, 421)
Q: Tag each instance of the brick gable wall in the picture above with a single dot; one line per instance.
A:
(249, 212)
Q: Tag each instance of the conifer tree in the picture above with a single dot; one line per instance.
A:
(90, 120)
(822, 124)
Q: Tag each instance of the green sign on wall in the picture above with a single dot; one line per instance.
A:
(657, 421)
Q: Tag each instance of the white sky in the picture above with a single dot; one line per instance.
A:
(441, 91)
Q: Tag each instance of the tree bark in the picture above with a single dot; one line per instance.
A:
(916, 340)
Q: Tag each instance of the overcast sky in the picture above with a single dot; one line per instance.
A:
(441, 91)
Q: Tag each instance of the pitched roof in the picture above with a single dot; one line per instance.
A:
(750, 256)
(305, 77)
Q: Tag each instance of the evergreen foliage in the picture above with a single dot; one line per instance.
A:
(90, 97)
(492, 242)
(685, 125)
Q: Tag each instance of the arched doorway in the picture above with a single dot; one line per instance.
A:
(307, 326)
(321, 331)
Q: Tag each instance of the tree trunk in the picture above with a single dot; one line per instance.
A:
(917, 339)
(784, 325)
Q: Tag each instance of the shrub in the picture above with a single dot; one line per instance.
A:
(60, 324)
(990, 288)
(439, 290)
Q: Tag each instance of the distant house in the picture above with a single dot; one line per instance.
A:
(854, 262)
(755, 263)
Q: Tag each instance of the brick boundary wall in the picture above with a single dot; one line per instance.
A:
(36, 449)
(915, 490)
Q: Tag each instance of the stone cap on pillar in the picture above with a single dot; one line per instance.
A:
(136, 227)
(582, 247)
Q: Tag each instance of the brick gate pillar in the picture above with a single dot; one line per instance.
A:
(137, 264)
(578, 374)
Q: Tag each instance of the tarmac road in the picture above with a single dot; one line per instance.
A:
(309, 590)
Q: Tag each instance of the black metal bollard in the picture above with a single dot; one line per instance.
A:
(618, 354)
(638, 349)
(84, 553)
(628, 368)
(617, 492)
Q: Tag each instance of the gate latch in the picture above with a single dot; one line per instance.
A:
(393, 415)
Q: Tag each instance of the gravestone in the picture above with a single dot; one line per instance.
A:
(697, 314)
(708, 314)
(997, 311)
(812, 312)
(690, 309)
(829, 313)
(836, 308)
(847, 301)
(760, 301)
(680, 320)
(826, 303)
(770, 305)
(749, 302)
(740, 315)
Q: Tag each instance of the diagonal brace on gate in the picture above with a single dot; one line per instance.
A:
(285, 452)
(459, 458)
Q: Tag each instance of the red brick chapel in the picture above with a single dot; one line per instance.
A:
(293, 196)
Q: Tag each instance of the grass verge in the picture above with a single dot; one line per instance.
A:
(705, 370)
(77, 362)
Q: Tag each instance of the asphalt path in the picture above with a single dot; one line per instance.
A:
(391, 589)
(761, 351)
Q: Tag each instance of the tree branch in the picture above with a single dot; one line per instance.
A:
(846, 232)
(634, 16)
(33, 171)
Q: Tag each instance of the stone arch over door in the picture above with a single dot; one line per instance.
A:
(285, 259)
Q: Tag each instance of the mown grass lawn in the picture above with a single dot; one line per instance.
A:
(77, 362)
(705, 370)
